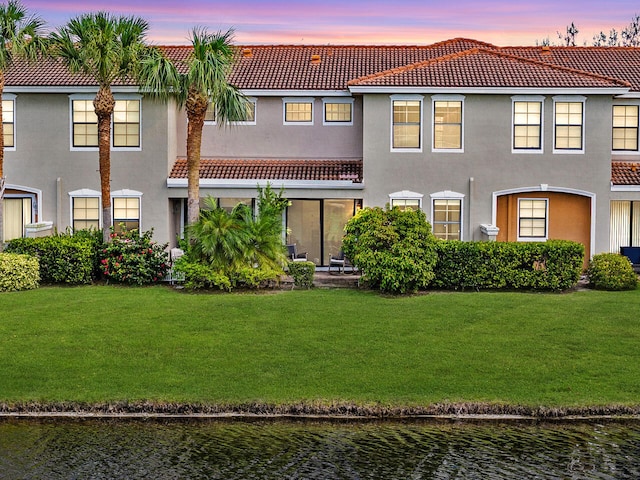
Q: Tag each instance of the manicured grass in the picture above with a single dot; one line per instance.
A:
(104, 343)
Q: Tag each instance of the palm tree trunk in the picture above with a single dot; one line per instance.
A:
(196, 109)
(2, 179)
(104, 104)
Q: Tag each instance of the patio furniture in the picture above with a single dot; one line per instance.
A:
(340, 262)
(294, 256)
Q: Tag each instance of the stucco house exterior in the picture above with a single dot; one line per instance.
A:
(505, 143)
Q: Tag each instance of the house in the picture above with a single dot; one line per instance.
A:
(505, 143)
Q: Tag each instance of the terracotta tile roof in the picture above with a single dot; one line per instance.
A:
(486, 68)
(617, 62)
(269, 169)
(625, 173)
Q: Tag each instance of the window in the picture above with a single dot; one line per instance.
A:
(527, 124)
(125, 119)
(447, 218)
(229, 204)
(569, 120)
(126, 211)
(406, 203)
(85, 124)
(532, 219)
(407, 123)
(625, 127)
(8, 121)
(126, 123)
(447, 123)
(298, 111)
(338, 111)
(85, 213)
(249, 118)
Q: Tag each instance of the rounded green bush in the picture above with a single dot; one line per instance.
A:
(611, 271)
(18, 272)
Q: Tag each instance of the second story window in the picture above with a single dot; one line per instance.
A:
(569, 125)
(126, 123)
(338, 111)
(298, 111)
(406, 123)
(248, 118)
(625, 128)
(85, 124)
(527, 125)
(447, 124)
(8, 123)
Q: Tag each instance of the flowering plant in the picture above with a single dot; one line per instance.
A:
(132, 257)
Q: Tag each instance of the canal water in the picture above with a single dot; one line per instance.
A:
(309, 449)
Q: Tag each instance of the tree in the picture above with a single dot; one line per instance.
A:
(106, 48)
(20, 37)
(202, 82)
(569, 38)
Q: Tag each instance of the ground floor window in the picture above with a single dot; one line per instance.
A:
(85, 213)
(317, 226)
(624, 224)
(532, 219)
(18, 212)
(229, 203)
(447, 218)
(126, 212)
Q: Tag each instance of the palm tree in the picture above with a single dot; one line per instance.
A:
(20, 37)
(106, 48)
(202, 81)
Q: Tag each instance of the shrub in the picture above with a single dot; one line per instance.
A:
(611, 271)
(134, 258)
(63, 258)
(554, 265)
(255, 277)
(302, 273)
(18, 272)
(394, 249)
(198, 275)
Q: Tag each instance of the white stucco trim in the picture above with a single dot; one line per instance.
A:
(252, 184)
(543, 187)
(625, 188)
(36, 193)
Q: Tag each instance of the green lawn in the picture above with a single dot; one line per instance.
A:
(107, 344)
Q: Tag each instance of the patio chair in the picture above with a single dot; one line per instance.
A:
(340, 261)
(294, 256)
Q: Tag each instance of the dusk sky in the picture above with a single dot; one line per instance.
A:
(359, 21)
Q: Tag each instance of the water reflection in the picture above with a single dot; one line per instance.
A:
(303, 449)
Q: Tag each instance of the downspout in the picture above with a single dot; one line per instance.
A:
(58, 203)
(472, 192)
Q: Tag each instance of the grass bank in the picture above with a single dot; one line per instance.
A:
(319, 350)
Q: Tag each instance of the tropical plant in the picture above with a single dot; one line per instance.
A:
(200, 83)
(20, 37)
(107, 48)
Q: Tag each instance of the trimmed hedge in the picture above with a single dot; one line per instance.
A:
(18, 272)
(554, 265)
(63, 258)
(302, 273)
(610, 271)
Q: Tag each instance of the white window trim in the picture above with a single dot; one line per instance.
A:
(406, 195)
(12, 97)
(119, 96)
(287, 100)
(447, 98)
(546, 226)
(253, 100)
(449, 195)
(326, 100)
(85, 193)
(126, 193)
(418, 98)
(574, 99)
(528, 98)
(613, 152)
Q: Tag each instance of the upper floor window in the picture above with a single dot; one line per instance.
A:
(625, 127)
(527, 124)
(447, 122)
(125, 123)
(338, 111)
(406, 122)
(569, 124)
(248, 118)
(298, 111)
(8, 121)
(532, 219)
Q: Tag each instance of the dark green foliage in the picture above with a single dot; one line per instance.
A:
(554, 265)
(197, 275)
(302, 273)
(134, 258)
(394, 249)
(611, 271)
(63, 258)
(18, 272)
